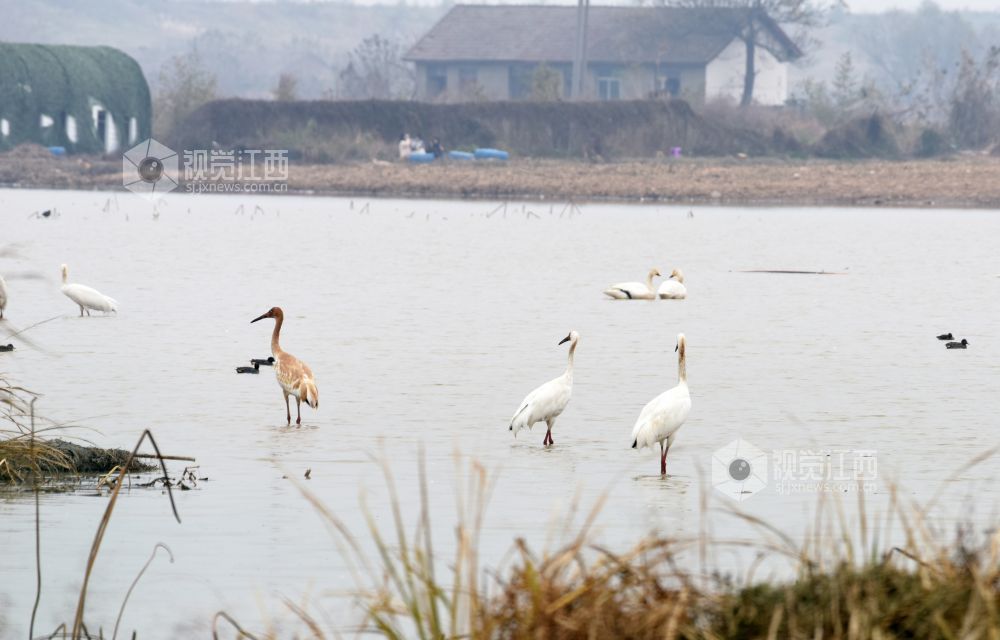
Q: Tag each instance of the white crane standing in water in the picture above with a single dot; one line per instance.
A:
(294, 376)
(549, 400)
(663, 416)
(86, 297)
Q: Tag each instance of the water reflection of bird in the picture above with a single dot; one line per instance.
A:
(87, 298)
(262, 362)
(294, 376)
(634, 290)
(548, 401)
(673, 288)
(254, 369)
(958, 345)
(660, 420)
(3, 296)
(946, 336)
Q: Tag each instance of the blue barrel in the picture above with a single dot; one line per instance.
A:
(491, 154)
(460, 155)
(57, 151)
(420, 157)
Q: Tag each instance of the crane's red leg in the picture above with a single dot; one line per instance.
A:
(663, 459)
(288, 411)
(298, 410)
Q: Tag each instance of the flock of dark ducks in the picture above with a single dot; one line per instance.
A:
(952, 344)
(256, 363)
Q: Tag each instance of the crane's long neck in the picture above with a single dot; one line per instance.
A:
(569, 364)
(681, 364)
(275, 345)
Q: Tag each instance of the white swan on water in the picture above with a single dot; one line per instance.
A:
(87, 298)
(663, 416)
(634, 290)
(549, 400)
(673, 288)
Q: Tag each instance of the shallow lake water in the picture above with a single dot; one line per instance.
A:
(425, 323)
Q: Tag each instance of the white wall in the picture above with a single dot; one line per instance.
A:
(724, 75)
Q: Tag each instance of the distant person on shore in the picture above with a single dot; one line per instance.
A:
(417, 144)
(405, 146)
(436, 148)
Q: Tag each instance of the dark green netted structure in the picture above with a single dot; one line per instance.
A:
(97, 91)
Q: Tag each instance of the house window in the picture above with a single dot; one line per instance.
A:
(70, 123)
(467, 78)
(519, 81)
(608, 88)
(672, 87)
(437, 80)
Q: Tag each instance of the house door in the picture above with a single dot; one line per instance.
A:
(101, 119)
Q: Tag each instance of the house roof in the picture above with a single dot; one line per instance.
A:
(535, 33)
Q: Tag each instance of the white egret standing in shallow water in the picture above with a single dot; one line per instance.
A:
(664, 415)
(549, 400)
(85, 297)
(673, 288)
(634, 290)
(294, 376)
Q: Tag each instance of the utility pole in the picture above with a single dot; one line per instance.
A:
(580, 53)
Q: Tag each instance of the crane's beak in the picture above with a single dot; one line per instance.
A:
(566, 339)
(259, 318)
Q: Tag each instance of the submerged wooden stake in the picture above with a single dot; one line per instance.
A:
(814, 273)
(153, 455)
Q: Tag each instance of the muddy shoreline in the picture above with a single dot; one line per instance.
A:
(962, 181)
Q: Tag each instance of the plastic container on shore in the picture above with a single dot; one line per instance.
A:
(57, 151)
(491, 154)
(461, 155)
(420, 157)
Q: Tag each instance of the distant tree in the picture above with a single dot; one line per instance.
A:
(546, 84)
(844, 82)
(796, 17)
(375, 69)
(915, 52)
(183, 85)
(975, 110)
(350, 83)
(287, 89)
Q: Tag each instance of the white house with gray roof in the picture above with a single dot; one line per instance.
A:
(494, 52)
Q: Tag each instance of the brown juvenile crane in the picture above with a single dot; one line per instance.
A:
(294, 376)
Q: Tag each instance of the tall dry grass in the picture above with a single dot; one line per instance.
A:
(849, 579)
